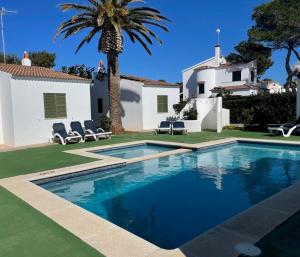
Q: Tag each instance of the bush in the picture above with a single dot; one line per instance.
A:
(262, 110)
(178, 107)
(191, 114)
(105, 123)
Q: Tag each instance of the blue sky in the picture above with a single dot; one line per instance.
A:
(191, 39)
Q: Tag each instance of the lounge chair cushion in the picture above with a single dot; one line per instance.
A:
(76, 126)
(165, 124)
(60, 129)
(178, 125)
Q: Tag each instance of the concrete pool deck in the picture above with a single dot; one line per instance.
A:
(112, 241)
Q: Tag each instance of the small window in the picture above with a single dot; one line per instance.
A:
(162, 103)
(55, 106)
(252, 76)
(201, 89)
(100, 105)
(237, 75)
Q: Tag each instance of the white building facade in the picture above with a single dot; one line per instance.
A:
(271, 87)
(204, 79)
(144, 102)
(33, 98)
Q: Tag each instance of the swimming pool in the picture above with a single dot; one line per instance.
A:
(170, 200)
(129, 152)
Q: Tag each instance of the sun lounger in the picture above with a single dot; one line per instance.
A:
(164, 127)
(91, 128)
(59, 132)
(286, 129)
(179, 127)
(79, 131)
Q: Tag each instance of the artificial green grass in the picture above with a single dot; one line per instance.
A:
(24, 232)
(52, 157)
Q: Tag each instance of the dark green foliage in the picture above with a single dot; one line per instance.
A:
(262, 109)
(10, 59)
(80, 71)
(42, 59)
(178, 107)
(277, 25)
(191, 114)
(105, 123)
(247, 51)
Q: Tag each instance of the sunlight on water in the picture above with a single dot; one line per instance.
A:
(169, 201)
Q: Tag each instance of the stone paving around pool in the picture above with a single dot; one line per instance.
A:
(112, 241)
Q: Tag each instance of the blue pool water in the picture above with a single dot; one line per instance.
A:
(171, 200)
(135, 151)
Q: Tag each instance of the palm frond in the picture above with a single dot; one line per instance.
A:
(110, 19)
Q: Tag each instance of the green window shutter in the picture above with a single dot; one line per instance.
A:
(55, 106)
(162, 103)
(61, 106)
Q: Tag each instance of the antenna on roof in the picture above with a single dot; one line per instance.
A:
(3, 11)
(218, 33)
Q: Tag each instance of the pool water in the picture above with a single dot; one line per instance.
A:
(135, 151)
(170, 200)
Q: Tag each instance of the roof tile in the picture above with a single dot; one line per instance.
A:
(37, 72)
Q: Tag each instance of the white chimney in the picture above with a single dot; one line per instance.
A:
(26, 61)
(218, 57)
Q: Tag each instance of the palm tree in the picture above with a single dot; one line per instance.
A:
(110, 20)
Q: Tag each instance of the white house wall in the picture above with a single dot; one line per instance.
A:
(190, 78)
(131, 103)
(99, 89)
(224, 76)
(30, 125)
(209, 77)
(6, 110)
(151, 118)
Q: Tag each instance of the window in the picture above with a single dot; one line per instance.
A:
(201, 88)
(162, 103)
(55, 106)
(237, 75)
(100, 105)
(252, 76)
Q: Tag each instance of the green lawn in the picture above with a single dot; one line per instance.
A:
(51, 157)
(24, 232)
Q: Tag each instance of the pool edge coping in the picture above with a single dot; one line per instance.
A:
(106, 240)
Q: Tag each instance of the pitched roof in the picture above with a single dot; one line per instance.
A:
(37, 72)
(237, 87)
(149, 82)
(224, 65)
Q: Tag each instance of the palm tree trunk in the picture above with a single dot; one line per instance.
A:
(114, 92)
(288, 69)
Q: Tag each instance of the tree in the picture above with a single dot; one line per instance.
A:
(42, 59)
(10, 59)
(277, 24)
(80, 71)
(109, 20)
(247, 51)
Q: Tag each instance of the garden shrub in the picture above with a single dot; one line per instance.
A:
(191, 114)
(262, 110)
(105, 123)
(178, 107)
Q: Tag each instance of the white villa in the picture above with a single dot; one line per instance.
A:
(33, 98)
(270, 86)
(144, 102)
(203, 79)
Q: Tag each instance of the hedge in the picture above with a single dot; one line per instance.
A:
(262, 110)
